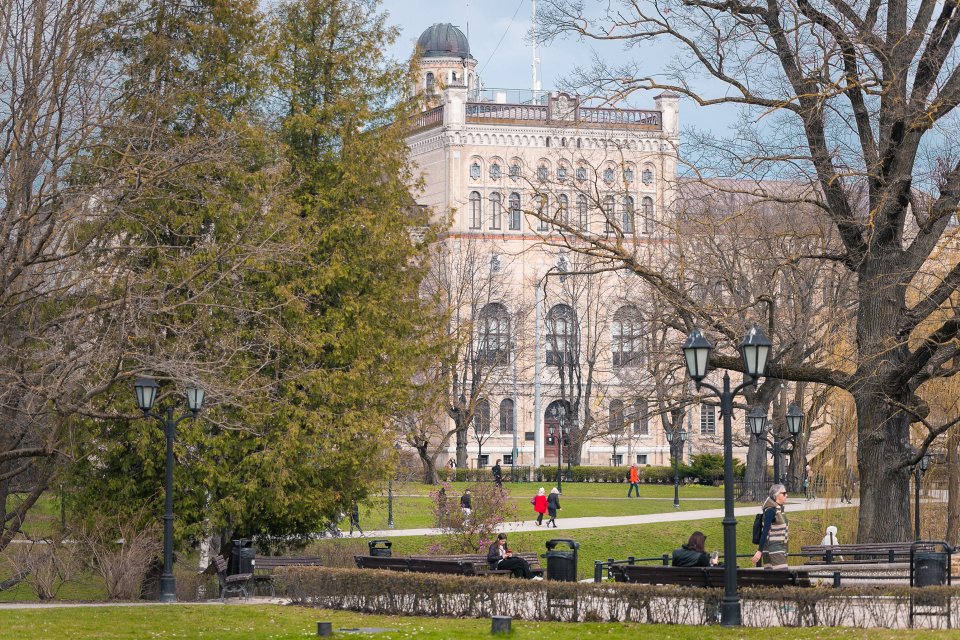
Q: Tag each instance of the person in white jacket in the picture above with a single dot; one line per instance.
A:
(830, 538)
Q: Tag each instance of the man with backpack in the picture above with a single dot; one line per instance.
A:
(634, 477)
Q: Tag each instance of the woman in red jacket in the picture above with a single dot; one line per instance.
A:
(540, 505)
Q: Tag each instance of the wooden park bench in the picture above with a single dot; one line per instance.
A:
(707, 577)
(265, 566)
(866, 553)
(482, 567)
(237, 583)
(379, 562)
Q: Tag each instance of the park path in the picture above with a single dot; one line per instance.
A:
(594, 522)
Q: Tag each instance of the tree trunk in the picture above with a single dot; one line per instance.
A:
(461, 444)
(953, 493)
(755, 473)
(429, 463)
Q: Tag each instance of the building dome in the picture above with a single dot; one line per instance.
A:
(442, 41)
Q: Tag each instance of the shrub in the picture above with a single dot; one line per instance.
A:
(44, 565)
(462, 533)
(122, 549)
(424, 594)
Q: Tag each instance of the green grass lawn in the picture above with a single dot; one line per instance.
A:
(601, 543)
(262, 622)
(412, 506)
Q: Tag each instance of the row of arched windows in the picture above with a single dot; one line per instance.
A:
(618, 417)
(562, 339)
(563, 171)
(620, 216)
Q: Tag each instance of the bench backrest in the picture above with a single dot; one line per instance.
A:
(271, 562)
(437, 565)
(220, 564)
(377, 562)
(707, 576)
(481, 559)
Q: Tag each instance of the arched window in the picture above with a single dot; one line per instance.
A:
(627, 215)
(583, 214)
(608, 175)
(542, 212)
(628, 175)
(616, 416)
(481, 417)
(507, 419)
(476, 210)
(513, 216)
(515, 171)
(431, 83)
(626, 337)
(641, 417)
(646, 176)
(581, 174)
(608, 213)
(495, 171)
(543, 173)
(561, 328)
(496, 210)
(563, 209)
(493, 341)
(475, 171)
(646, 210)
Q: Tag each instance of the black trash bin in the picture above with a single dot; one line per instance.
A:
(562, 563)
(381, 551)
(242, 557)
(929, 564)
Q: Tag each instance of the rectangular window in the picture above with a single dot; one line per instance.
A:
(708, 420)
(528, 436)
(617, 460)
(641, 458)
(483, 461)
(507, 458)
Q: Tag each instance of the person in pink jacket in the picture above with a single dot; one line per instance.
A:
(540, 505)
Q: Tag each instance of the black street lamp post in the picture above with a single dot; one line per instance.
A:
(675, 452)
(757, 419)
(754, 351)
(921, 469)
(396, 446)
(146, 391)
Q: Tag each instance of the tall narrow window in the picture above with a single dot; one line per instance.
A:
(513, 216)
(647, 176)
(431, 82)
(561, 327)
(496, 210)
(563, 209)
(475, 171)
(708, 420)
(627, 215)
(476, 210)
(481, 417)
(608, 213)
(646, 206)
(626, 334)
(583, 213)
(616, 416)
(641, 418)
(506, 416)
(493, 339)
(542, 212)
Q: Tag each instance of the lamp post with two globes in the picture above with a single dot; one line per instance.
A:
(757, 419)
(146, 391)
(754, 351)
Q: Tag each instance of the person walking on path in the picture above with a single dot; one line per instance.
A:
(634, 478)
(355, 519)
(441, 507)
(773, 538)
(499, 556)
(539, 503)
(553, 505)
(497, 474)
(693, 553)
(466, 502)
(847, 485)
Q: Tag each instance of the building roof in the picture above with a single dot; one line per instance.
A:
(443, 40)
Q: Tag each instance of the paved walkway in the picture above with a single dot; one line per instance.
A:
(618, 521)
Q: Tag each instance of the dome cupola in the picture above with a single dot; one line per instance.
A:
(443, 40)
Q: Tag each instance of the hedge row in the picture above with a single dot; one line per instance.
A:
(579, 473)
(421, 594)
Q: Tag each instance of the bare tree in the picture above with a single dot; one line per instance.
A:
(861, 100)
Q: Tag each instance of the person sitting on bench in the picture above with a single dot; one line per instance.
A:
(500, 557)
(693, 554)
